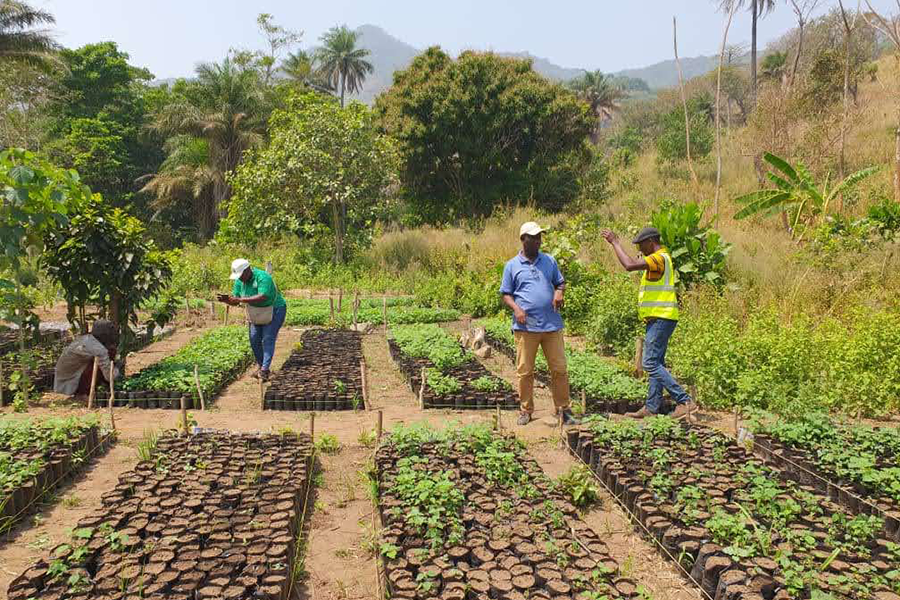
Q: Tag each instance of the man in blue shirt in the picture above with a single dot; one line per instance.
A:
(533, 289)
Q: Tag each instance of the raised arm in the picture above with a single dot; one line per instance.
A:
(630, 264)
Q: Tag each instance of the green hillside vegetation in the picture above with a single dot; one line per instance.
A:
(789, 270)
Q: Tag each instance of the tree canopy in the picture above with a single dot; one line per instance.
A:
(324, 164)
(483, 130)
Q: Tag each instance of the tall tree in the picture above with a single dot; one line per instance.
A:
(757, 9)
(324, 165)
(96, 121)
(601, 93)
(20, 41)
(483, 130)
(340, 62)
(802, 10)
(223, 107)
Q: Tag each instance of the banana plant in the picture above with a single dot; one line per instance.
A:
(796, 193)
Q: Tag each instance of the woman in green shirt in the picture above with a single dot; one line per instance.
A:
(257, 289)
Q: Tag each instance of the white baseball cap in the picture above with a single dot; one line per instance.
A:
(238, 266)
(530, 228)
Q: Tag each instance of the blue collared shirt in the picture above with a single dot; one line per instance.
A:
(532, 284)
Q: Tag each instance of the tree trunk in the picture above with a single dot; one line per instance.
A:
(687, 120)
(343, 79)
(718, 104)
(897, 160)
(338, 233)
(754, 15)
(801, 25)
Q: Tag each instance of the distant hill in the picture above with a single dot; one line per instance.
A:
(389, 54)
(664, 75)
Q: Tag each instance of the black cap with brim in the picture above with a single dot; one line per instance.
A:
(645, 234)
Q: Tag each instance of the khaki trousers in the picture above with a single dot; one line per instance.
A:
(551, 342)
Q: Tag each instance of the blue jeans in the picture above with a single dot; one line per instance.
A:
(262, 337)
(656, 343)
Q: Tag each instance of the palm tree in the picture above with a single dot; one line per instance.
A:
(599, 91)
(299, 70)
(340, 62)
(227, 114)
(19, 41)
(758, 8)
(186, 175)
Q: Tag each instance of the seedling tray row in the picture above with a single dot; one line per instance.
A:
(28, 473)
(467, 398)
(471, 515)
(213, 515)
(324, 374)
(741, 528)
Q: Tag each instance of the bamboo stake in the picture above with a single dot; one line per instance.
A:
(93, 392)
(331, 304)
(384, 313)
(562, 436)
(378, 425)
(422, 391)
(112, 394)
(638, 356)
(184, 421)
(736, 429)
(365, 391)
(340, 299)
(312, 427)
(199, 390)
(227, 306)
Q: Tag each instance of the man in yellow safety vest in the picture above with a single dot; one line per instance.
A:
(658, 309)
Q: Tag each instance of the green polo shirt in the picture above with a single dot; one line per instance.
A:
(260, 283)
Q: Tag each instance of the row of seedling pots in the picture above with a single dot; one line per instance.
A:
(213, 515)
(798, 465)
(715, 466)
(171, 399)
(324, 373)
(59, 464)
(467, 398)
(509, 547)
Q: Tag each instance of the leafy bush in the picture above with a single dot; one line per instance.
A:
(885, 215)
(672, 143)
(697, 251)
(850, 364)
(491, 384)
(304, 313)
(612, 323)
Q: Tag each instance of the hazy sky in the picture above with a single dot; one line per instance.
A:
(170, 36)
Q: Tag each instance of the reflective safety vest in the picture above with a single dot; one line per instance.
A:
(657, 299)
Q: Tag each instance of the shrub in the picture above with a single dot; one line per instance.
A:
(885, 216)
(612, 323)
(672, 143)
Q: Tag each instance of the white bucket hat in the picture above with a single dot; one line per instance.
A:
(238, 266)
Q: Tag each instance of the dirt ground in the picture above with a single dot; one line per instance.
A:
(339, 559)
